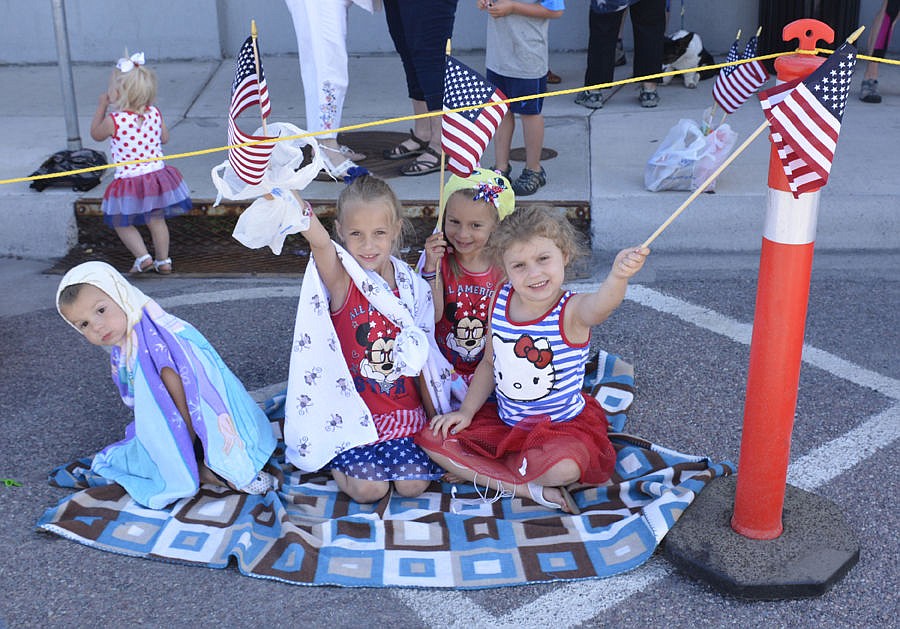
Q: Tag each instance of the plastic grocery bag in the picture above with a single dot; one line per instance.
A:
(290, 166)
(687, 157)
(268, 221)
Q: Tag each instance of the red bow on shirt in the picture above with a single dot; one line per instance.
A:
(525, 348)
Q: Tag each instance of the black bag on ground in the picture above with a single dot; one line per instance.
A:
(63, 161)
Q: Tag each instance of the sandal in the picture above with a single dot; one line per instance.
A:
(159, 264)
(401, 152)
(537, 494)
(506, 172)
(338, 171)
(344, 152)
(421, 166)
(139, 266)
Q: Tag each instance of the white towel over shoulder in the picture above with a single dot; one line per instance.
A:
(320, 386)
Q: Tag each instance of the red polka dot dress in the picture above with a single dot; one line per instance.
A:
(146, 190)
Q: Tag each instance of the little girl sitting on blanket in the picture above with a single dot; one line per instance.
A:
(194, 421)
(363, 335)
(543, 433)
(457, 263)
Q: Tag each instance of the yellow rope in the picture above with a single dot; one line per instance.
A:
(430, 114)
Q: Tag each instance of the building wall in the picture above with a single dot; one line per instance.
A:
(100, 30)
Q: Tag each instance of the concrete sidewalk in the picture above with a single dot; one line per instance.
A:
(601, 154)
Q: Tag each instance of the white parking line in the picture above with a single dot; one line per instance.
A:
(573, 603)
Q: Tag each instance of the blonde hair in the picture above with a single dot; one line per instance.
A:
(368, 189)
(135, 89)
(531, 222)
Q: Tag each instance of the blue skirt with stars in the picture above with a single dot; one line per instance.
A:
(396, 459)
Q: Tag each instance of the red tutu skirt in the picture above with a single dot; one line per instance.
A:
(519, 454)
(134, 200)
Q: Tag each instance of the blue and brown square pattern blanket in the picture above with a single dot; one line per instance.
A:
(309, 533)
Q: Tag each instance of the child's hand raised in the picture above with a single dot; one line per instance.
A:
(435, 248)
(629, 261)
(449, 423)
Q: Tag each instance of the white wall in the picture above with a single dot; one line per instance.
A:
(100, 30)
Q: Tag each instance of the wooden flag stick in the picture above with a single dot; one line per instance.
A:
(253, 35)
(440, 217)
(705, 184)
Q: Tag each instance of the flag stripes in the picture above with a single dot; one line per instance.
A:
(466, 134)
(732, 90)
(249, 88)
(805, 117)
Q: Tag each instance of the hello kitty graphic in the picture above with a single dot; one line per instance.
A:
(469, 315)
(523, 369)
(378, 338)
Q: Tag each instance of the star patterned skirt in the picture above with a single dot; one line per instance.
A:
(397, 459)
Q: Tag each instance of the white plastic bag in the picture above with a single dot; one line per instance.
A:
(284, 170)
(267, 222)
(686, 157)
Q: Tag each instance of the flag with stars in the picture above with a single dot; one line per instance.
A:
(805, 117)
(248, 89)
(465, 134)
(735, 84)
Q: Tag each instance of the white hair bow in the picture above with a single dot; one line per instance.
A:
(129, 64)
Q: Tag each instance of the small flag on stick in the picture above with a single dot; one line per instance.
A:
(465, 134)
(248, 89)
(735, 84)
(806, 116)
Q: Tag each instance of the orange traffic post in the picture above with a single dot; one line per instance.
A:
(778, 325)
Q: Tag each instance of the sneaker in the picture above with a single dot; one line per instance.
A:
(621, 59)
(592, 99)
(868, 93)
(529, 181)
(261, 484)
(648, 98)
(502, 171)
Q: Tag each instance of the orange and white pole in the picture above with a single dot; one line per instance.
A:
(779, 325)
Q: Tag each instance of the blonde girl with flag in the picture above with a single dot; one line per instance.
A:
(144, 193)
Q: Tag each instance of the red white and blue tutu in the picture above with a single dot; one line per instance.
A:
(135, 200)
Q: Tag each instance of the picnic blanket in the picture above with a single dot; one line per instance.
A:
(308, 533)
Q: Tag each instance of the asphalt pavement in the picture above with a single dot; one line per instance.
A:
(685, 326)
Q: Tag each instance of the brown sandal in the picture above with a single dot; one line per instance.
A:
(401, 152)
(421, 166)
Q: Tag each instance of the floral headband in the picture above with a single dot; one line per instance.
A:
(126, 65)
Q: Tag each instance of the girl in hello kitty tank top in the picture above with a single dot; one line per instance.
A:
(145, 193)
(543, 433)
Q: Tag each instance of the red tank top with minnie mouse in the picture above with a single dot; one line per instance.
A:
(460, 332)
(367, 341)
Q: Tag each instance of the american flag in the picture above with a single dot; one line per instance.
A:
(248, 89)
(735, 84)
(465, 134)
(805, 117)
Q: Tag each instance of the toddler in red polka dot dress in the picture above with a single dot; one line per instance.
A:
(145, 190)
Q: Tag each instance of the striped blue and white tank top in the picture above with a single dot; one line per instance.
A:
(537, 372)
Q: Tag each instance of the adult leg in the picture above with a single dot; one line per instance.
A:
(321, 30)
(364, 491)
(604, 29)
(648, 22)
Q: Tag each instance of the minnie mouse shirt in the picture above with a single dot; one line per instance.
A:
(460, 333)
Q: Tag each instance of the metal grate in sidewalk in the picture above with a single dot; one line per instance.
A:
(202, 245)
